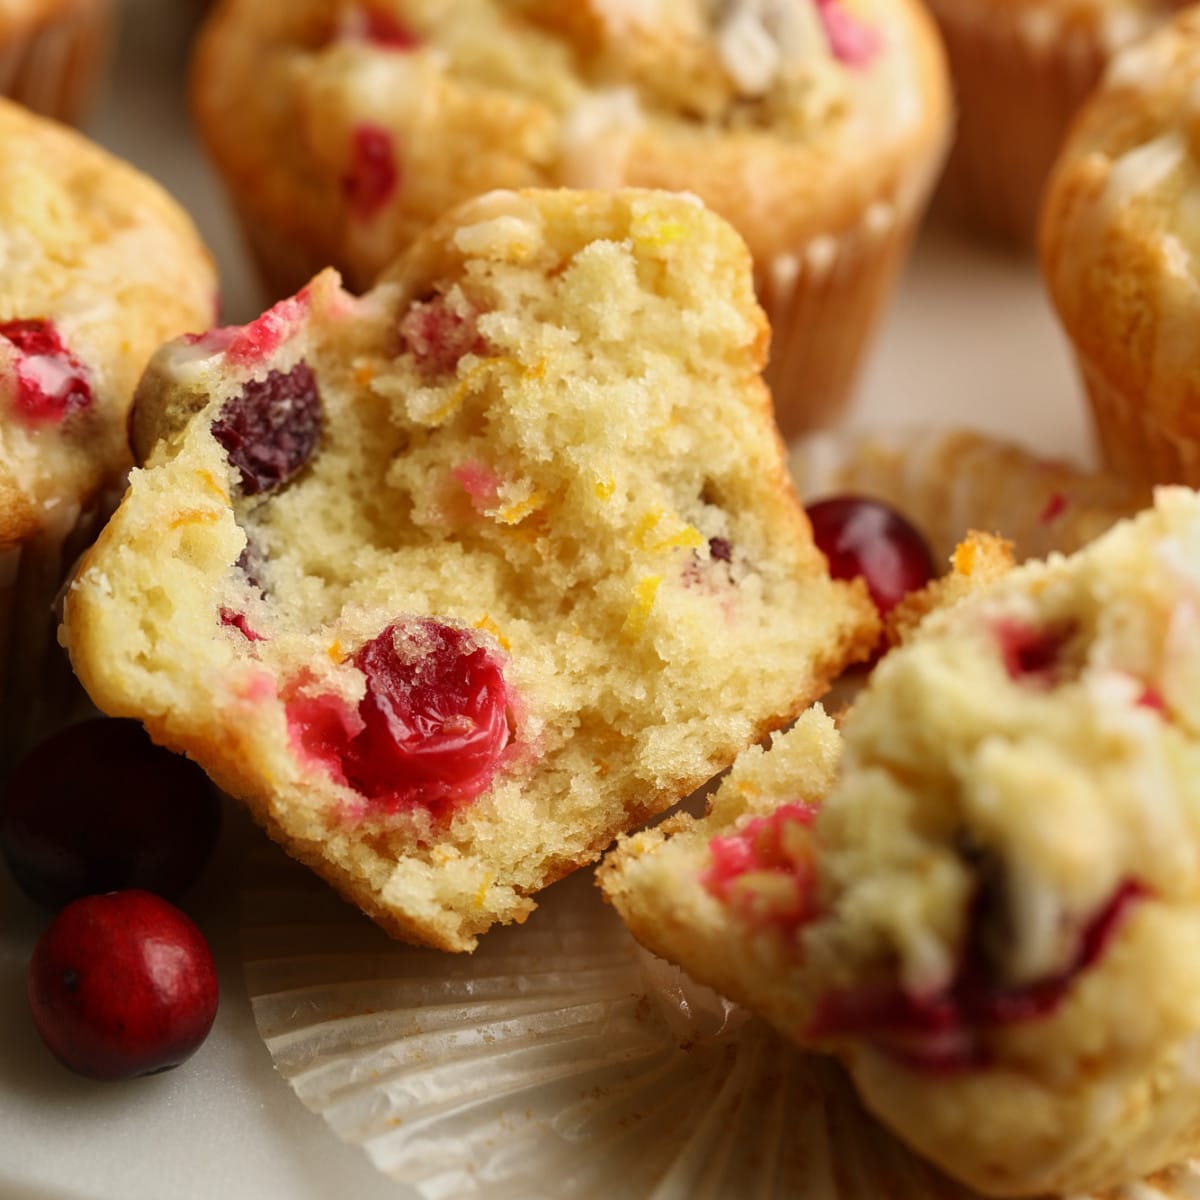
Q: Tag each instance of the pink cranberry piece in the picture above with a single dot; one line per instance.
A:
(271, 429)
(374, 175)
(122, 985)
(763, 850)
(860, 536)
(433, 723)
(437, 336)
(851, 41)
(51, 382)
(1054, 508)
(1031, 654)
(233, 619)
(99, 806)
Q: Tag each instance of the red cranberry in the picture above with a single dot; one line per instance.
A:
(943, 1032)
(432, 725)
(1033, 655)
(863, 537)
(122, 985)
(437, 336)
(97, 807)
(383, 29)
(51, 381)
(271, 429)
(373, 174)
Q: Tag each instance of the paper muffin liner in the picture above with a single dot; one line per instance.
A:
(824, 301)
(54, 67)
(948, 482)
(38, 690)
(560, 1060)
(1133, 444)
(1019, 75)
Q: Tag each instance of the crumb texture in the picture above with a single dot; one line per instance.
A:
(544, 431)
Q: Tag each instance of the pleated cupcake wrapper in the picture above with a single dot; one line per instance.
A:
(38, 691)
(948, 482)
(558, 1061)
(55, 68)
(824, 301)
(1134, 445)
(1019, 76)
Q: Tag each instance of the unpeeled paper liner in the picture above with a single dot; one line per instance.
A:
(558, 1061)
(948, 482)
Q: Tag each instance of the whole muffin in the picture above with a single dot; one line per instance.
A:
(52, 53)
(452, 582)
(101, 266)
(989, 908)
(1021, 69)
(1117, 243)
(814, 126)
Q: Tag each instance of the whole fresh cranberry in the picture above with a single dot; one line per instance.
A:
(860, 536)
(122, 985)
(99, 806)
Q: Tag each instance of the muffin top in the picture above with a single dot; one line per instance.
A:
(100, 267)
(1114, 23)
(784, 115)
(1121, 225)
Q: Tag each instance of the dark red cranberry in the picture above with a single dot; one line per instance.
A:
(432, 725)
(122, 985)
(860, 536)
(945, 1031)
(51, 381)
(1033, 654)
(239, 621)
(98, 807)
(437, 336)
(271, 429)
(374, 174)
(384, 29)
(720, 550)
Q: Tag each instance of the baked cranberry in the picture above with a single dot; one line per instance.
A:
(373, 175)
(720, 549)
(270, 430)
(437, 336)
(860, 536)
(99, 806)
(1032, 654)
(122, 985)
(946, 1031)
(51, 381)
(431, 728)
(383, 29)
(238, 620)
(766, 870)
(851, 40)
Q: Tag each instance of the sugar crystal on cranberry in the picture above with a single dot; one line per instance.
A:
(271, 429)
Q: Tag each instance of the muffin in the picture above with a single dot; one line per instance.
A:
(52, 53)
(101, 266)
(453, 582)
(993, 917)
(816, 128)
(1021, 69)
(1115, 242)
